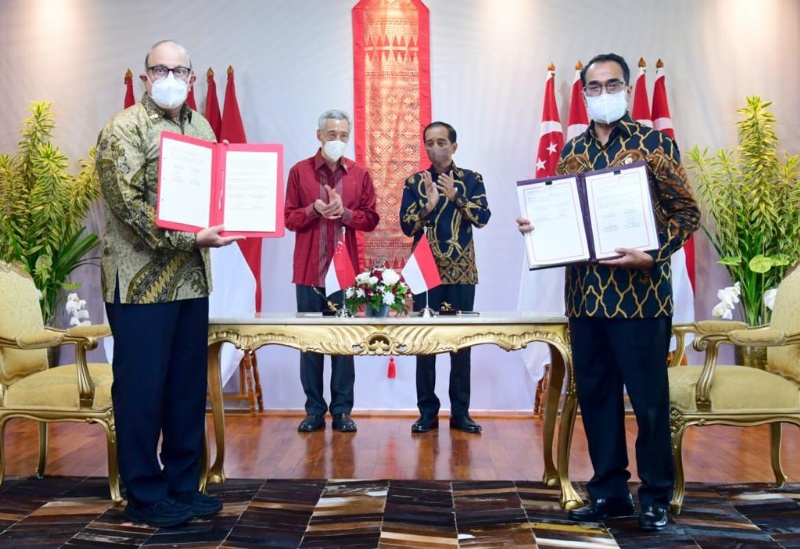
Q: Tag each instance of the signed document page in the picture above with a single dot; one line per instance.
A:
(185, 184)
(251, 191)
(554, 209)
(621, 211)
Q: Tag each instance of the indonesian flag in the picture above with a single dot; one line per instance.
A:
(641, 106)
(235, 269)
(578, 119)
(340, 274)
(233, 130)
(551, 136)
(683, 259)
(420, 272)
(662, 120)
(213, 115)
(129, 98)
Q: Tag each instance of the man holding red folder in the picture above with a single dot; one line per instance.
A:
(155, 286)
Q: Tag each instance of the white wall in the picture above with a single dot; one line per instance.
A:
(294, 60)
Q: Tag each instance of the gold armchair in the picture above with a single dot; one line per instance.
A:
(739, 395)
(29, 389)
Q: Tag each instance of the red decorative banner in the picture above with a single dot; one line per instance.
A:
(391, 48)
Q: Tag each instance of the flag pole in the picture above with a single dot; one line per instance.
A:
(427, 312)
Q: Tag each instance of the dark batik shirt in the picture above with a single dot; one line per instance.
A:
(594, 290)
(449, 224)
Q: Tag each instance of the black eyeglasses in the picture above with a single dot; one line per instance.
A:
(594, 89)
(161, 71)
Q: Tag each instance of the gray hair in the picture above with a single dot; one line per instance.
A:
(334, 114)
(181, 48)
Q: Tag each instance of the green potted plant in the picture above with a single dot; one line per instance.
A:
(750, 197)
(43, 208)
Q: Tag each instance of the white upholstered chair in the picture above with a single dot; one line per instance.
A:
(30, 389)
(739, 395)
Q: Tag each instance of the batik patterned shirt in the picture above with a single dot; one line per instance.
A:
(449, 224)
(152, 265)
(594, 290)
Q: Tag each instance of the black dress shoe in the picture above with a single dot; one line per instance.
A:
(343, 423)
(464, 423)
(603, 508)
(653, 518)
(311, 423)
(425, 424)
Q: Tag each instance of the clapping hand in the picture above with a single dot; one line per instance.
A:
(430, 190)
(334, 207)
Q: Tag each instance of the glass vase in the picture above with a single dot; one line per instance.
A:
(752, 356)
(381, 312)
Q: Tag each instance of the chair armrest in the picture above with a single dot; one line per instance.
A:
(85, 339)
(763, 336)
(42, 340)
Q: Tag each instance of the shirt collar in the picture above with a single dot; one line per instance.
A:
(154, 111)
(458, 172)
(624, 125)
(319, 162)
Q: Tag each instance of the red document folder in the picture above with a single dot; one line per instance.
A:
(202, 184)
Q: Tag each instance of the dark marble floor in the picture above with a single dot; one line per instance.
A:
(75, 512)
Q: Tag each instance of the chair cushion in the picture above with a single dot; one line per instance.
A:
(57, 388)
(734, 389)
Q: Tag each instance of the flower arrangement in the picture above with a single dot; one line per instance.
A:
(750, 197)
(76, 307)
(729, 298)
(376, 288)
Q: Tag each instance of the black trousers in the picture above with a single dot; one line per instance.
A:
(461, 297)
(610, 355)
(343, 375)
(160, 367)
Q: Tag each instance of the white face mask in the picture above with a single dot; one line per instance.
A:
(607, 108)
(334, 149)
(169, 93)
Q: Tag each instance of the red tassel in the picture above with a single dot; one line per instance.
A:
(392, 368)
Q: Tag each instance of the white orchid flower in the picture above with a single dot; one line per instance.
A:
(769, 298)
(722, 310)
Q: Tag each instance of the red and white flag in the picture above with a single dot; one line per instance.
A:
(551, 135)
(578, 119)
(235, 270)
(662, 120)
(129, 98)
(641, 105)
(232, 130)
(683, 259)
(420, 272)
(340, 274)
(213, 114)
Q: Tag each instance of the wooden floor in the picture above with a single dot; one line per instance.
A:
(384, 448)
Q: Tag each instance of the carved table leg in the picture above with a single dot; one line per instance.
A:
(216, 474)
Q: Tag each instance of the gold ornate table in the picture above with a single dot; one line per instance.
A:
(410, 335)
